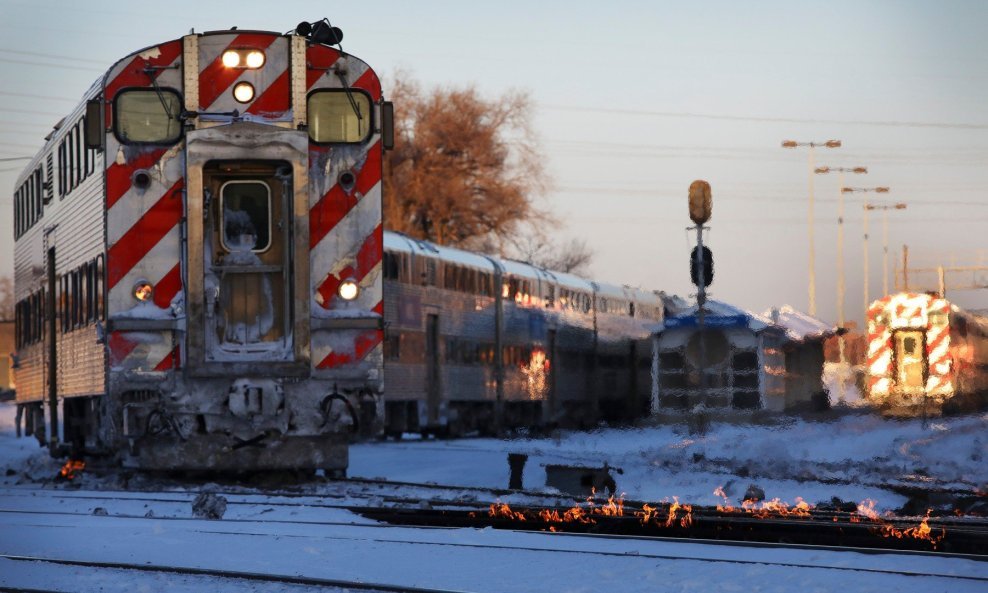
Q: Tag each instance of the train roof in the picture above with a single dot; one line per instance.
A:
(799, 326)
(400, 242)
(611, 291)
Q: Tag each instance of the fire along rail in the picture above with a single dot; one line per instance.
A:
(940, 535)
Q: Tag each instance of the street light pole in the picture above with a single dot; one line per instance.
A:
(840, 255)
(885, 237)
(880, 190)
(809, 215)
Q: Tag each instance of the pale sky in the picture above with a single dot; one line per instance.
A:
(634, 101)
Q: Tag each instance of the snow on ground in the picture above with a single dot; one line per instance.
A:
(854, 457)
(479, 560)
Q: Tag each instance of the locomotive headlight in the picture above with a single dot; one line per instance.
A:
(349, 289)
(255, 59)
(243, 92)
(231, 58)
(143, 291)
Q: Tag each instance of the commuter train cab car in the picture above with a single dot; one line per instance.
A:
(926, 353)
(198, 257)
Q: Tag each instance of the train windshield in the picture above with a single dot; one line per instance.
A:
(148, 116)
(333, 116)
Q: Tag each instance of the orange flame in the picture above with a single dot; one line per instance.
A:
(71, 468)
(765, 508)
(577, 514)
(500, 510)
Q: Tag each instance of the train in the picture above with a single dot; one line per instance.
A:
(481, 344)
(926, 354)
(198, 256)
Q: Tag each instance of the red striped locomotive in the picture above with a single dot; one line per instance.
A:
(925, 353)
(198, 256)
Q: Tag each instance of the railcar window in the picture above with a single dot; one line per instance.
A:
(390, 266)
(392, 345)
(100, 309)
(332, 117)
(246, 221)
(147, 116)
(49, 183)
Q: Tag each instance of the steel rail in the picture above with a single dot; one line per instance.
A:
(665, 539)
(233, 574)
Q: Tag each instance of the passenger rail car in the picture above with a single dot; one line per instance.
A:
(925, 351)
(198, 255)
(478, 343)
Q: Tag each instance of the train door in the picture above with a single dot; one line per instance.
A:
(551, 360)
(432, 386)
(910, 368)
(247, 267)
(51, 332)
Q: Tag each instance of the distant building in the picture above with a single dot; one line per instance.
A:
(752, 362)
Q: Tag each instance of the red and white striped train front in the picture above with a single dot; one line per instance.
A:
(244, 247)
(910, 354)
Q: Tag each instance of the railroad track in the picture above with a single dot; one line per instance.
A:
(252, 578)
(362, 585)
(394, 541)
(837, 530)
(946, 534)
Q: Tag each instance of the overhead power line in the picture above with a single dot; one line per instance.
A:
(48, 65)
(788, 120)
(52, 56)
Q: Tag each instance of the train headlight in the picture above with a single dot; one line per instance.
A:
(255, 59)
(231, 58)
(143, 291)
(349, 289)
(243, 92)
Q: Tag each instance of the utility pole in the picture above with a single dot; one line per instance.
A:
(905, 268)
(809, 216)
(885, 239)
(840, 254)
(879, 190)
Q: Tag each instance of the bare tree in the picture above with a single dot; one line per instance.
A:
(573, 256)
(6, 298)
(465, 169)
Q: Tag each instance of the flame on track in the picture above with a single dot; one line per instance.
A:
(71, 469)
(864, 513)
(673, 514)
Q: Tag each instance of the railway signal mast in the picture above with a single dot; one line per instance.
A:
(701, 263)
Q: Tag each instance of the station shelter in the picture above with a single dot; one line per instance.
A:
(739, 360)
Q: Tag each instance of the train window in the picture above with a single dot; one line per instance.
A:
(49, 183)
(333, 116)
(392, 345)
(147, 116)
(938, 319)
(100, 309)
(64, 296)
(390, 266)
(246, 220)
